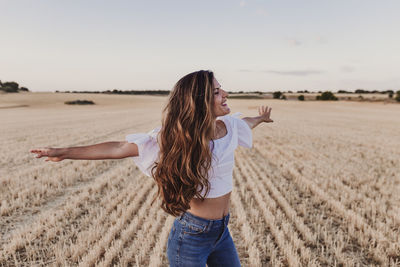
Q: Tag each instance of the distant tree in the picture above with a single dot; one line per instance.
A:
(327, 95)
(390, 95)
(24, 89)
(13, 85)
(306, 91)
(290, 92)
(344, 92)
(362, 91)
(319, 92)
(256, 92)
(9, 87)
(277, 94)
(397, 96)
(300, 97)
(283, 97)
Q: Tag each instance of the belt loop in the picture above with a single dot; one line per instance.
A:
(209, 225)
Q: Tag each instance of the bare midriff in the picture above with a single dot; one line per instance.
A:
(210, 208)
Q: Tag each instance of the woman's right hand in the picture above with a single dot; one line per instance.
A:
(52, 154)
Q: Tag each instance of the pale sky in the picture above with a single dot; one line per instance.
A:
(250, 45)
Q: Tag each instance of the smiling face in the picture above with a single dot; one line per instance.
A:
(220, 106)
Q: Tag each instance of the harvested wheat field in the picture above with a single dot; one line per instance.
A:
(320, 187)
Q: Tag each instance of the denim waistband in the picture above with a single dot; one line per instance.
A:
(210, 224)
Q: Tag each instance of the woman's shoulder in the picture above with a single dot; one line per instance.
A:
(140, 138)
(231, 118)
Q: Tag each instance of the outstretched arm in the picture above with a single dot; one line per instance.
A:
(264, 116)
(107, 150)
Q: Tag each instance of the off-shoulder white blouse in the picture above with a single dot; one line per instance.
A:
(220, 173)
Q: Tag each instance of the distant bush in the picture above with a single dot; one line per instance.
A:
(300, 97)
(388, 92)
(12, 87)
(344, 92)
(283, 97)
(390, 95)
(301, 92)
(139, 92)
(327, 95)
(8, 89)
(362, 91)
(255, 92)
(79, 102)
(277, 94)
(397, 96)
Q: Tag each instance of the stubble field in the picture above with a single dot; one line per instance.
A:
(320, 187)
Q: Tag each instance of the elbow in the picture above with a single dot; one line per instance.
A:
(126, 149)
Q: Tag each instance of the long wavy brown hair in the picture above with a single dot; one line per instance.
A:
(181, 172)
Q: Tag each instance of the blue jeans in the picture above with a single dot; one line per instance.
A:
(195, 241)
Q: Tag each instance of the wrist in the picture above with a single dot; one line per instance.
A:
(61, 152)
(259, 119)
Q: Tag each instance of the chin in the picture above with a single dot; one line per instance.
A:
(223, 112)
(226, 112)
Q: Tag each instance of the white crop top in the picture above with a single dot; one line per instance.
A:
(220, 173)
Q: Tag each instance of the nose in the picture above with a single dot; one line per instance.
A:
(225, 93)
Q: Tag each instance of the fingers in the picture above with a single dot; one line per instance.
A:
(44, 152)
(40, 152)
(262, 109)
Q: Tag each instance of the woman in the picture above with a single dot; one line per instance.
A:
(191, 159)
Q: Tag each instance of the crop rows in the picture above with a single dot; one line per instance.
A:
(310, 192)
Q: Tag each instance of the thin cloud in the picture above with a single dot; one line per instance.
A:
(261, 12)
(347, 69)
(321, 40)
(246, 70)
(295, 72)
(286, 73)
(294, 42)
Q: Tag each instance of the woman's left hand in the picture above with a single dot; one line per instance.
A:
(265, 113)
